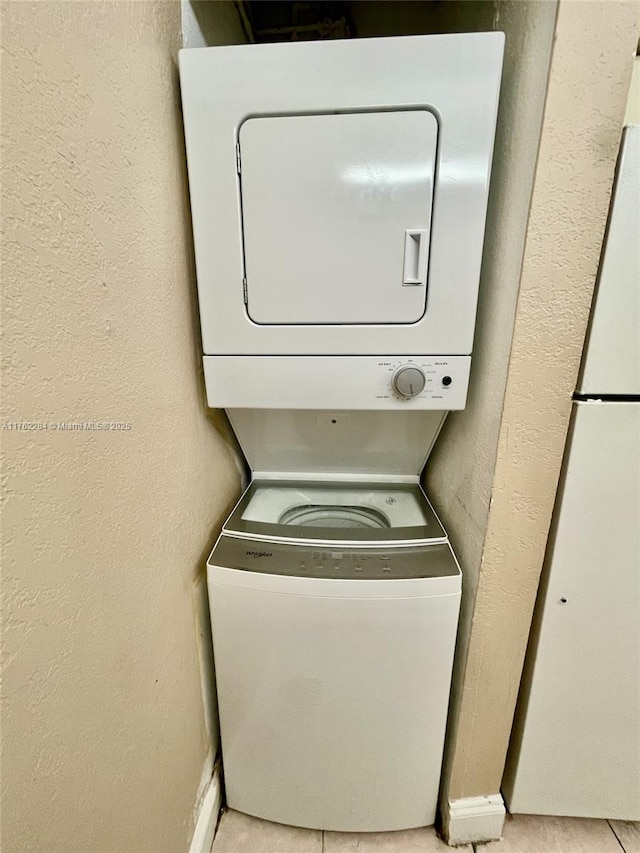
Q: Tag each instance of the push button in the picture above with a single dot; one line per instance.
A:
(446, 381)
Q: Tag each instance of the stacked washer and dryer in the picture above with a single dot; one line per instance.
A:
(338, 194)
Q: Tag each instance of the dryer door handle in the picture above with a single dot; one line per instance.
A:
(415, 258)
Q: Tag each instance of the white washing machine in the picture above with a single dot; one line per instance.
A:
(334, 609)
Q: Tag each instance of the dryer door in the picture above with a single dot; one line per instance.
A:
(336, 215)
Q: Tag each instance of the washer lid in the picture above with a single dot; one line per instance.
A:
(335, 513)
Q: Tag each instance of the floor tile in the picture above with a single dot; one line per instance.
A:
(535, 834)
(628, 834)
(408, 841)
(240, 833)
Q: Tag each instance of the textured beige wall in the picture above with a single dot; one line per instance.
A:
(589, 78)
(103, 532)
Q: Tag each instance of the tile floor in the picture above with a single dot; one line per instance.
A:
(533, 834)
(239, 833)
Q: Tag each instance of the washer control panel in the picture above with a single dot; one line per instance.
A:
(299, 560)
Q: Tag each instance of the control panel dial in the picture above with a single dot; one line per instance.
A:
(409, 381)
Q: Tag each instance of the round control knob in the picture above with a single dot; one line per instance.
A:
(409, 381)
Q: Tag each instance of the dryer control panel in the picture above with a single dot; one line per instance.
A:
(337, 382)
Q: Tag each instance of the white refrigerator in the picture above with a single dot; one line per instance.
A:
(575, 747)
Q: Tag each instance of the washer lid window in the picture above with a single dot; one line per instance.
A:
(336, 213)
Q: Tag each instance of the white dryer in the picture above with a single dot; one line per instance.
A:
(334, 608)
(338, 192)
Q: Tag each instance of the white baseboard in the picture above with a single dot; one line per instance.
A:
(473, 820)
(208, 814)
